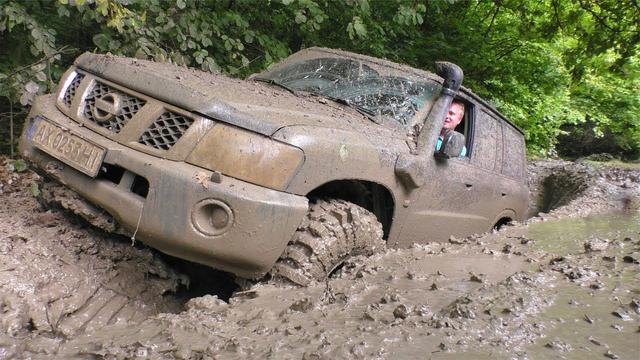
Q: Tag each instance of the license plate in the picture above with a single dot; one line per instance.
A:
(71, 149)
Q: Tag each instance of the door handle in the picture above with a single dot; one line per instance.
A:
(468, 186)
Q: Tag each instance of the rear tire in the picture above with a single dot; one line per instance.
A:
(332, 231)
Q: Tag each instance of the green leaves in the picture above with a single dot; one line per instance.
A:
(18, 166)
(356, 28)
(545, 64)
(200, 55)
(410, 15)
(34, 189)
(31, 51)
(101, 41)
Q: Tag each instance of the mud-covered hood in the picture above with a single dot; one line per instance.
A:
(252, 105)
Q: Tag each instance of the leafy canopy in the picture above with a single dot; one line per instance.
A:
(545, 64)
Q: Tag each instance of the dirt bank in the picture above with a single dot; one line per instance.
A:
(565, 285)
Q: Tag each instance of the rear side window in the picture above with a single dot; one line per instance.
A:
(487, 148)
(514, 153)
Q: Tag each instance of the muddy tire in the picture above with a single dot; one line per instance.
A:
(332, 231)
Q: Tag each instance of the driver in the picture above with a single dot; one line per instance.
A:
(452, 119)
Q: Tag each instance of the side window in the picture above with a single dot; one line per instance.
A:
(466, 126)
(514, 153)
(487, 144)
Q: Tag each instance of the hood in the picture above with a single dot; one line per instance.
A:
(252, 105)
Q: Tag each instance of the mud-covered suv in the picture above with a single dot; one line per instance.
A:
(326, 155)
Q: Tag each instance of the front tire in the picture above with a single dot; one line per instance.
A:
(332, 231)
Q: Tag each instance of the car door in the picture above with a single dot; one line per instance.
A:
(457, 192)
(487, 160)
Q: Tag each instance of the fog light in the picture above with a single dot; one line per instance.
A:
(212, 217)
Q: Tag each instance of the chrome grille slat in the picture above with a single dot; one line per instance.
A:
(130, 106)
(165, 131)
(70, 92)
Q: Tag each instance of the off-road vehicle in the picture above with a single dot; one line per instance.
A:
(325, 155)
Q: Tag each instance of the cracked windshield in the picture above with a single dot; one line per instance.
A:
(358, 85)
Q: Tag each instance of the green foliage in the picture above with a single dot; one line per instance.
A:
(28, 38)
(34, 189)
(18, 165)
(544, 64)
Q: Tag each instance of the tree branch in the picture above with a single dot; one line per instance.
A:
(59, 51)
(557, 14)
(483, 70)
(493, 18)
(597, 16)
(509, 51)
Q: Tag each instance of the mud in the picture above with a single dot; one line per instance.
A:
(59, 279)
(55, 195)
(564, 285)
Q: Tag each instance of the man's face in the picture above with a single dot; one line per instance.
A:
(454, 116)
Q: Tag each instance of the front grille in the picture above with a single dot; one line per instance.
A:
(124, 115)
(165, 131)
(129, 106)
(71, 89)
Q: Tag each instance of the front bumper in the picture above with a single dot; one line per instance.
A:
(263, 220)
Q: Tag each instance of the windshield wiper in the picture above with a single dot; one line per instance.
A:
(278, 84)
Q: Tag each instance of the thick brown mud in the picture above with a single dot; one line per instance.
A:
(59, 279)
(564, 286)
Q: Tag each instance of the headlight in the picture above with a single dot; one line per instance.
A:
(247, 156)
(68, 89)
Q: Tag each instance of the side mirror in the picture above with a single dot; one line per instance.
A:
(452, 145)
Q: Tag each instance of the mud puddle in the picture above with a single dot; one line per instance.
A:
(596, 308)
(567, 236)
(563, 288)
(375, 308)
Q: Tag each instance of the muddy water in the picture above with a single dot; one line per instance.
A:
(595, 312)
(567, 288)
(512, 294)
(567, 236)
(377, 308)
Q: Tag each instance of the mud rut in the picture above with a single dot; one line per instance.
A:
(67, 290)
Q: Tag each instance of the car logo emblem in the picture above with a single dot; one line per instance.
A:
(106, 107)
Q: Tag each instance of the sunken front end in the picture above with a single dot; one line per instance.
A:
(125, 153)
